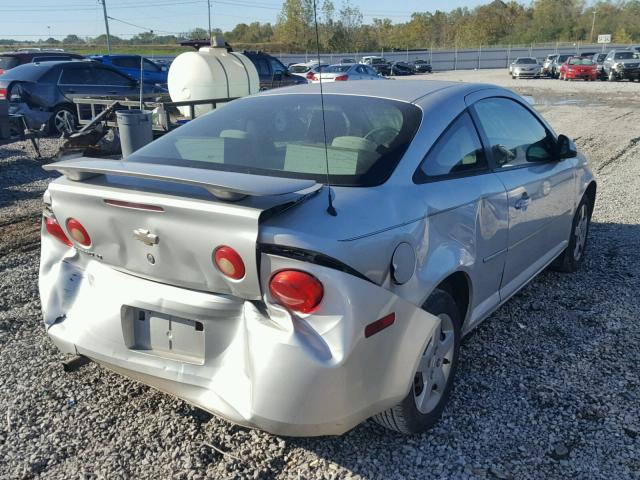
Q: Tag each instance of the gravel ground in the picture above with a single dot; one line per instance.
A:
(548, 387)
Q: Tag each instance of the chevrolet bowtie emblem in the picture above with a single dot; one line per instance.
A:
(145, 236)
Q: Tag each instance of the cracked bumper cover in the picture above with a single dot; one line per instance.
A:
(261, 368)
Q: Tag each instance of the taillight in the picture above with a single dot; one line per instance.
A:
(229, 262)
(342, 78)
(78, 232)
(310, 76)
(296, 290)
(3, 92)
(55, 230)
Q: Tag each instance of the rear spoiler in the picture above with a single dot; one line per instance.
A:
(221, 184)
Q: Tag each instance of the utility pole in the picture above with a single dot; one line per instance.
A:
(209, 17)
(593, 25)
(106, 25)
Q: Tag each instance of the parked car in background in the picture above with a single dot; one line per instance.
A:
(348, 60)
(245, 294)
(380, 65)
(576, 68)
(304, 69)
(555, 65)
(130, 65)
(547, 63)
(400, 69)
(344, 72)
(9, 60)
(586, 54)
(525, 67)
(272, 72)
(635, 48)
(621, 65)
(44, 92)
(312, 75)
(420, 66)
(598, 59)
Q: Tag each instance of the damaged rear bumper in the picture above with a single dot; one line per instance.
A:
(252, 363)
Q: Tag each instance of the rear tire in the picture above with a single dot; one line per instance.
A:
(571, 258)
(422, 407)
(61, 118)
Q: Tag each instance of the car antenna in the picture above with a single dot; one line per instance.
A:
(330, 209)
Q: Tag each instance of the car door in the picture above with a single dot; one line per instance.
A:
(109, 82)
(468, 209)
(76, 80)
(540, 188)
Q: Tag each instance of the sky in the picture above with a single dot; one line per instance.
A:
(40, 19)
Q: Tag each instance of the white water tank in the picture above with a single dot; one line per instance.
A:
(211, 72)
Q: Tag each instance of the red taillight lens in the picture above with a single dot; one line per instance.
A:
(296, 290)
(310, 76)
(3, 92)
(229, 262)
(78, 232)
(55, 230)
(342, 78)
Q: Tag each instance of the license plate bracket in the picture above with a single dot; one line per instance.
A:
(164, 335)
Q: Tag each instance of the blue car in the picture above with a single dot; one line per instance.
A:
(130, 65)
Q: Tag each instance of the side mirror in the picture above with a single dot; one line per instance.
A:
(566, 147)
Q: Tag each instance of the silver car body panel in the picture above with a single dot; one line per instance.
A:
(253, 362)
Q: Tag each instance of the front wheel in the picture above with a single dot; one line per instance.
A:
(433, 380)
(570, 259)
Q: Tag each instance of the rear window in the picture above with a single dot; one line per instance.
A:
(8, 62)
(283, 136)
(299, 68)
(625, 55)
(580, 61)
(337, 68)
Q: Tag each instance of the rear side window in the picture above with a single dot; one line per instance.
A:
(76, 76)
(516, 137)
(127, 62)
(8, 62)
(283, 136)
(457, 151)
(105, 76)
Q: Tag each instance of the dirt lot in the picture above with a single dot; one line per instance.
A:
(549, 386)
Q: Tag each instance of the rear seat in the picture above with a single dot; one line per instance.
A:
(347, 156)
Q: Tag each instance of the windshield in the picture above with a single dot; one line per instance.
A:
(283, 136)
(377, 60)
(526, 60)
(563, 58)
(625, 55)
(337, 68)
(580, 61)
(8, 62)
(299, 68)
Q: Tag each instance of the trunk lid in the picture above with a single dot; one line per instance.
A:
(158, 223)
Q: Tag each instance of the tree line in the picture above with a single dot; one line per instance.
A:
(341, 28)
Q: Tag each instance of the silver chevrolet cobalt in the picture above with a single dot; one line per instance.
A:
(301, 266)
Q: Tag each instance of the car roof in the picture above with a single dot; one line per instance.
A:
(405, 91)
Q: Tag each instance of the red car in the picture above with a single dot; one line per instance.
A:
(579, 67)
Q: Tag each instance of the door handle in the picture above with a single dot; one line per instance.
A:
(523, 202)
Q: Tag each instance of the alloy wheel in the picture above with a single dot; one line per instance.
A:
(64, 121)
(434, 368)
(580, 232)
